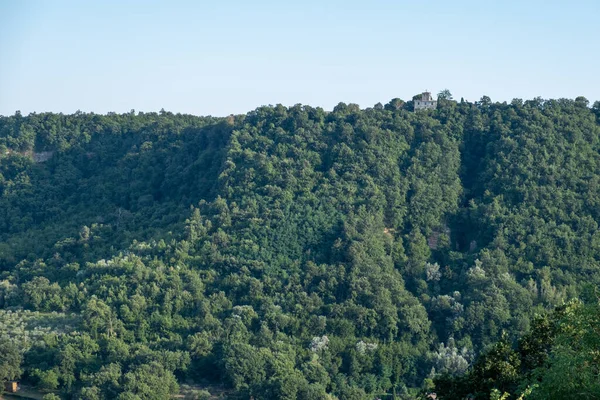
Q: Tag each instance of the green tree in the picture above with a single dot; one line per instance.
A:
(149, 381)
(11, 359)
(445, 95)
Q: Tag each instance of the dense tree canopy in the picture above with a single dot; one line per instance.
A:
(296, 253)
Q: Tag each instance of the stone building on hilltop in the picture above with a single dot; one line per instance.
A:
(426, 102)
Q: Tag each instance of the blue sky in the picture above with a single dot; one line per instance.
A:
(224, 57)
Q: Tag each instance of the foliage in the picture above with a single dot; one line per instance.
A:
(296, 253)
(10, 361)
(558, 358)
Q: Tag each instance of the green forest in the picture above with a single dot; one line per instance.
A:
(298, 253)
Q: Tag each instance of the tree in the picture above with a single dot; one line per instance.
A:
(99, 318)
(46, 379)
(394, 104)
(244, 365)
(444, 95)
(10, 360)
(499, 368)
(574, 361)
(150, 381)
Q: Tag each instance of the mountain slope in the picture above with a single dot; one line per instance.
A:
(293, 252)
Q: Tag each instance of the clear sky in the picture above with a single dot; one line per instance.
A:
(222, 57)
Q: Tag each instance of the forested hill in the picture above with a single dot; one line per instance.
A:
(289, 252)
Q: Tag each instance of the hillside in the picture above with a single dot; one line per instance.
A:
(290, 252)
